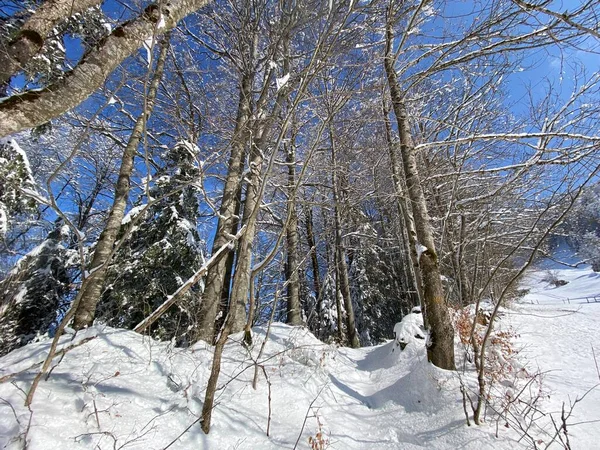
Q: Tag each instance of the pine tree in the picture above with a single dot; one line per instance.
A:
(33, 291)
(162, 252)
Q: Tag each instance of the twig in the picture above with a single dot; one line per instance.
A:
(596, 362)
(269, 386)
(306, 415)
(58, 353)
(183, 432)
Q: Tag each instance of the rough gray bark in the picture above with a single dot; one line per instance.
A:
(214, 284)
(35, 108)
(343, 280)
(441, 346)
(35, 30)
(92, 291)
(243, 268)
(294, 313)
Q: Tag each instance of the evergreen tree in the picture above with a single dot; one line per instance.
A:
(15, 175)
(162, 252)
(381, 299)
(33, 291)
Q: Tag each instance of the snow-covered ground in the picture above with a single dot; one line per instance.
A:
(559, 330)
(122, 390)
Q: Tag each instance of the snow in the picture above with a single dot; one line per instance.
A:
(133, 213)
(3, 220)
(161, 23)
(123, 389)
(148, 44)
(281, 82)
(120, 389)
(559, 333)
(420, 249)
(410, 330)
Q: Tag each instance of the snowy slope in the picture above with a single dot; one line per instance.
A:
(558, 328)
(120, 390)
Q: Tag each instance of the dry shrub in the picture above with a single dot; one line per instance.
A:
(319, 441)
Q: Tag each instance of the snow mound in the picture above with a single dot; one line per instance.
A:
(410, 330)
(114, 388)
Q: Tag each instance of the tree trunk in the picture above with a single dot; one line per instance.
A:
(254, 193)
(229, 264)
(36, 107)
(344, 283)
(243, 267)
(294, 313)
(310, 239)
(217, 275)
(440, 350)
(409, 233)
(84, 314)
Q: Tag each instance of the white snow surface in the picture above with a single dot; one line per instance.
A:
(123, 390)
(558, 328)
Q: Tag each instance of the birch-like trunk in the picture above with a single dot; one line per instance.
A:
(409, 233)
(217, 275)
(84, 314)
(34, 32)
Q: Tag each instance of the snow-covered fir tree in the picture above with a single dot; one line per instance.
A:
(15, 178)
(163, 250)
(32, 293)
(381, 299)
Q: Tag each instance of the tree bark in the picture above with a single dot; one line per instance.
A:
(344, 283)
(226, 291)
(241, 279)
(294, 314)
(409, 233)
(440, 350)
(310, 239)
(217, 275)
(84, 314)
(34, 108)
(34, 32)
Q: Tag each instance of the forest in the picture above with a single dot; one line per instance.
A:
(191, 169)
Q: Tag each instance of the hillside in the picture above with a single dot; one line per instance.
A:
(122, 390)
